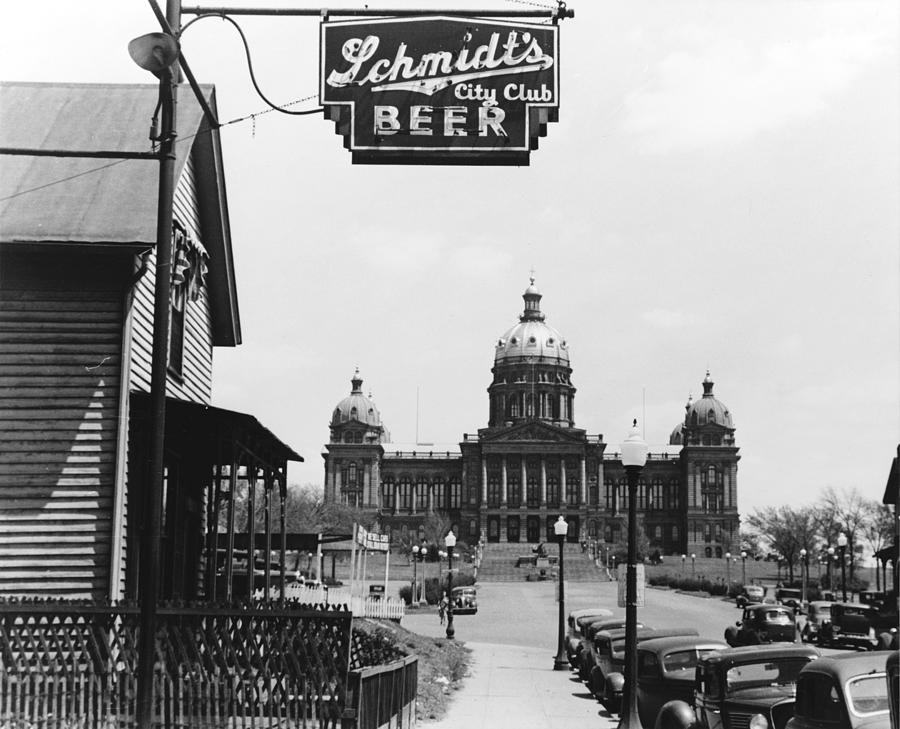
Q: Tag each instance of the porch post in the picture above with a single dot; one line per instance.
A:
(251, 530)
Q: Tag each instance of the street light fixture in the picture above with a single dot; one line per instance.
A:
(683, 557)
(450, 543)
(634, 456)
(414, 599)
(743, 567)
(423, 553)
(842, 545)
(727, 571)
(804, 572)
(560, 529)
(693, 565)
(830, 570)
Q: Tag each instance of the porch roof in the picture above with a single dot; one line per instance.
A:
(216, 434)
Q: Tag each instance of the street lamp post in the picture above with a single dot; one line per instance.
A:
(683, 557)
(634, 456)
(804, 573)
(414, 598)
(830, 569)
(727, 571)
(743, 567)
(842, 545)
(560, 528)
(693, 565)
(450, 543)
(423, 553)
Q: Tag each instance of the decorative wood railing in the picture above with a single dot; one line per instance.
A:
(70, 665)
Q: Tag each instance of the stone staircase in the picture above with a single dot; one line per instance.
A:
(499, 561)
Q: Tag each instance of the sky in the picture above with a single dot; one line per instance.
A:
(720, 192)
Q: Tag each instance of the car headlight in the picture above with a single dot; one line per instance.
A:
(758, 721)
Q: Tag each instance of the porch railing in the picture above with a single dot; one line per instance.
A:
(69, 665)
(383, 696)
(386, 608)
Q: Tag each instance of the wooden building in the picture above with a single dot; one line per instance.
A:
(77, 269)
(510, 481)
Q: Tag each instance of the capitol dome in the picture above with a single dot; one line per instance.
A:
(356, 406)
(532, 337)
(707, 409)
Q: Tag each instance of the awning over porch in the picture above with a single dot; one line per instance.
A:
(217, 434)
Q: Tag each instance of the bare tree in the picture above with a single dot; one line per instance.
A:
(786, 530)
(843, 511)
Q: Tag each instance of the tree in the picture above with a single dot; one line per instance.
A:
(786, 530)
(878, 529)
(642, 543)
(843, 511)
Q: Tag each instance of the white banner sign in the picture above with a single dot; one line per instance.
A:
(639, 580)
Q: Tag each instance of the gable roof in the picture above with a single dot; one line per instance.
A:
(109, 202)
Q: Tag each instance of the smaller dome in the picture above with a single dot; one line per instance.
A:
(708, 409)
(677, 437)
(356, 406)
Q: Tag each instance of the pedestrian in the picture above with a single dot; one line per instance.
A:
(442, 607)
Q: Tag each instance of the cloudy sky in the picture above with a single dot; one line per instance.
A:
(721, 191)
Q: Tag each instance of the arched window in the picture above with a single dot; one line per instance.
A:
(421, 494)
(353, 413)
(351, 475)
(405, 494)
(694, 418)
(387, 493)
(553, 491)
(454, 496)
(493, 491)
(529, 406)
(348, 437)
(657, 532)
(708, 551)
(514, 407)
(358, 437)
(440, 494)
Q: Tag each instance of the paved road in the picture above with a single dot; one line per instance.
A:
(526, 613)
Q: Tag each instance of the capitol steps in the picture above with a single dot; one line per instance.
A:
(498, 563)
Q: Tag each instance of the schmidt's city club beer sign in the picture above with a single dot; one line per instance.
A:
(440, 90)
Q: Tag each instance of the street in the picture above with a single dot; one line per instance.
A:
(526, 613)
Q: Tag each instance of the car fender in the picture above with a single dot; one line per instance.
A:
(614, 684)
(731, 634)
(676, 715)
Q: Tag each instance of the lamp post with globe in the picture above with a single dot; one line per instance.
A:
(804, 573)
(743, 567)
(634, 456)
(560, 662)
(842, 545)
(450, 543)
(693, 565)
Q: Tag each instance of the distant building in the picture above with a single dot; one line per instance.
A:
(511, 480)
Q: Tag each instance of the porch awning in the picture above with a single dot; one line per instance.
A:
(216, 434)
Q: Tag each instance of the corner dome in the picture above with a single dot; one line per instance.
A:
(677, 436)
(532, 337)
(708, 409)
(356, 406)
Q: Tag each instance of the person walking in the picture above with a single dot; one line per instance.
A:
(442, 607)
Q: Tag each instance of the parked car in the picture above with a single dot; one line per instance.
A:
(763, 624)
(846, 691)
(576, 622)
(748, 686)
(586, 655)
(666, 669)
(852, 625)
(607, 678)
(464, 600)
(750, 594)
(817, 615)
(790, 597)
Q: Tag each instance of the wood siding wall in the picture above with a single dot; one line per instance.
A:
(196, 382)
(60, 366)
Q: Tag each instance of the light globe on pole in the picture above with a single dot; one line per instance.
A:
(450, 543)
(634, 457)
(842, 545)
(560, 529)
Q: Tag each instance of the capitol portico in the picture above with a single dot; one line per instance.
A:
(513, 478)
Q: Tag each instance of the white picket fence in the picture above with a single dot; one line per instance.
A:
(386, 608)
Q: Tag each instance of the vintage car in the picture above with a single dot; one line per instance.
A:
(750, 594)
(576, 622)
(666, 669)
(846, 691)
(739, 688)
(586, 657)
(763, 624)
(464, 600)
(790, 597)
(607, 675)
(853, 625)
(817, 615)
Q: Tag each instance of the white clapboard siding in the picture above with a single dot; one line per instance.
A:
(196, 382)
(60, 358)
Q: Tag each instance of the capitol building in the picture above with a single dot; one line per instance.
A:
(511, 480)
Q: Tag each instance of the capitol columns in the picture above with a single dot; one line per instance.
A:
(583, 475)
(484, 480)
(543, 482)
(562, 481)
(503, 484)
(523, 485)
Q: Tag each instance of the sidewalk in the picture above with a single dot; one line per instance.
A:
(516, 686)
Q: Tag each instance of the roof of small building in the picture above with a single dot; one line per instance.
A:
(53, 200)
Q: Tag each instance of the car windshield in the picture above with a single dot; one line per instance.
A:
(868, 694)
(776, 672)
(822, 611)
(685, 660)
(778, 617)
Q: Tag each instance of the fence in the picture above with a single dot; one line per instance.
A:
(386, 608)
(65, 665)
(383, 696)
